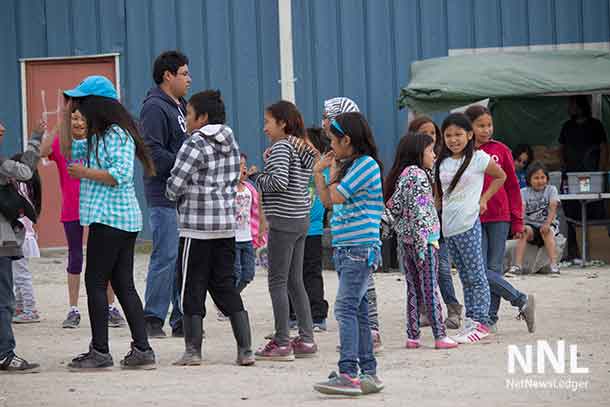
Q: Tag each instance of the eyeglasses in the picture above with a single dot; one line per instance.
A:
(337, 127)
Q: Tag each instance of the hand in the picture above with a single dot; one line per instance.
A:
(251, 170)
(324, 162)
(40, 127)
(544, 229)
(482, 206)
(518, 235)
(266, 154)
(77, 170)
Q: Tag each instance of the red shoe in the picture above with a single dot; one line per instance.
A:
(412, 344)
(445, 343)
(303, 349)
(273, 351)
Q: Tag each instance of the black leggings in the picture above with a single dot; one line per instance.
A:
(110, 254)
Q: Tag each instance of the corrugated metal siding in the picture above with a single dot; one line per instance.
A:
(232, 45)
(363, 49)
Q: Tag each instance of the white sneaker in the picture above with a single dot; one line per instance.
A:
(472, 335)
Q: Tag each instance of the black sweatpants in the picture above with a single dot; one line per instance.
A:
(110, 254)
(207, 265)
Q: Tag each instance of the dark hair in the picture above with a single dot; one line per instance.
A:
(582, 101)
(244, 156)
(33, 186)
(168, 61)
(534, 168)
(459, 120)
(210, 102)
(476, 111)
(357, 128)
(523, 148)
(318, 139)
(410, 151)
(419, 121)
(287, 112)
(101, 113)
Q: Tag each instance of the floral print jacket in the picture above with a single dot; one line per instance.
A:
(411, 213)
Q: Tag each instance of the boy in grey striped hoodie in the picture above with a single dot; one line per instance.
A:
(203, 182)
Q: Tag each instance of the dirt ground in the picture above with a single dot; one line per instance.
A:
(574, 308)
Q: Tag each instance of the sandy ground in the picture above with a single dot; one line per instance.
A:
(574, 308)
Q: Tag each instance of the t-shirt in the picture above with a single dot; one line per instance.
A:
(461, 206)
(70, 187)
(316, 214)
(243, 206)
(583, 141)
(537, 205)
(356, 221)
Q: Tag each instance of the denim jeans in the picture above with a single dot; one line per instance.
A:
(244, 264)
(354, 265)
(445, 280)
(494, 246)
(161, 287)
(7, 307)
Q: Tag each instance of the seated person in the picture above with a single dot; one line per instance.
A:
(523, 156)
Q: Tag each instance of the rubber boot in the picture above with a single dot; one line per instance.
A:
(454, 317)
(241, 330)
(193, 338)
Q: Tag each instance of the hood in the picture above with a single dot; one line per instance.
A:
(157, 93)
(335, 106)
(220, 137)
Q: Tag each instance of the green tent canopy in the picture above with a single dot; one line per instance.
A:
(442, 84)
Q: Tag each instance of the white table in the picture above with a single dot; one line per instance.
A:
(584, 199)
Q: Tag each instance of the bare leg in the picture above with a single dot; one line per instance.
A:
(549, 244)
(521, 244)
(73, 289)
(110, 294)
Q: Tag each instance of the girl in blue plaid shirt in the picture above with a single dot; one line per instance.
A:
(108, 205)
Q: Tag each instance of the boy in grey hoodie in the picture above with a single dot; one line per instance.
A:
(204, 183)
(11, 240)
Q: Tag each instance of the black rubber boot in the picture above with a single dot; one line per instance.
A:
(241, 329)
(193, 338)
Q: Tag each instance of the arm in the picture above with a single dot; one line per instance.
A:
(188, 161)
(24, 169)
(513, 192)
(498, 175)
(155, 133)
(328, 193)
(275, 177)
(47, 143)
(552, 214)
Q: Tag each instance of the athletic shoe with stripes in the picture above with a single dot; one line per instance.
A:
(472, 333)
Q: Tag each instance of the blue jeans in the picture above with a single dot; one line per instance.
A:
(7, 307)
(494, 246)
(445, 280)
(161, 287)
(244, 264)
(354, 265)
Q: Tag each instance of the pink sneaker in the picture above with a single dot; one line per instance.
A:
(445, 343)
(303, 349)
(413, 344)
(274, 352)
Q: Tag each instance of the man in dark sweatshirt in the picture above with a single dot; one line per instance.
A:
(163, 123)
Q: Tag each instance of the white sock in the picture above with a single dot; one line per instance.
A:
(74, 308)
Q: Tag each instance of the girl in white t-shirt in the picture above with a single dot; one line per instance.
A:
(460, 171)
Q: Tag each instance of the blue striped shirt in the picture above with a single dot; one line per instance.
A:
(356, 221)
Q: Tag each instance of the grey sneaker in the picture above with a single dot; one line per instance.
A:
(339, 384)
(115, 319)
(555, 270)
(92, 360)
(514, 271)
(370, 384)
(528, 313)
(138, 359)
(72, 320)
(14, 364)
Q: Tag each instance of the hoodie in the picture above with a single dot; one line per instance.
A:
(204, 182)
(285, 180)
(163, 124)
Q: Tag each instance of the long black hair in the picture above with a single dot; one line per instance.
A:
(410, 151)
(459, 120)
(357, 128)
(101, 113)
(33, 186)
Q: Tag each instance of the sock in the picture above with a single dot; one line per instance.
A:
(111, 306)
(74, 308)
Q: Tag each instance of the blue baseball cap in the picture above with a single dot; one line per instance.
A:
(95, 85)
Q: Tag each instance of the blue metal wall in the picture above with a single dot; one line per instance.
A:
(232, 45)
(363, 49)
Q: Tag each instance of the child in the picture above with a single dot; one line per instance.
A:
(411, 212)
(203, 181)
(504, 216)
(25, 303)
(523, 156)
(459, 174)
(540, 212)
(109, 206)
(286, 202)
(355, 190)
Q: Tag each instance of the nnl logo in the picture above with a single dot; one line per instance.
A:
(544, 353)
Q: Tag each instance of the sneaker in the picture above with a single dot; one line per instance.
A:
(528, 313)
(137, 359)
(154, 330)
(472, 333)
(293, 325)
(319, 326)
(26, 317)
(445, 343)
(221, 317)
(555, 270)
(115, 319)
(412, 343)
(377, 345)
(72, 320)
(303, 349)
(370, 384)
(92, 360)
(514, 271)
(14, 364)
(339, 384)
(273, 351)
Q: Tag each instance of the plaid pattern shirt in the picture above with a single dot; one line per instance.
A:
(115, 206)
(204, 182)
